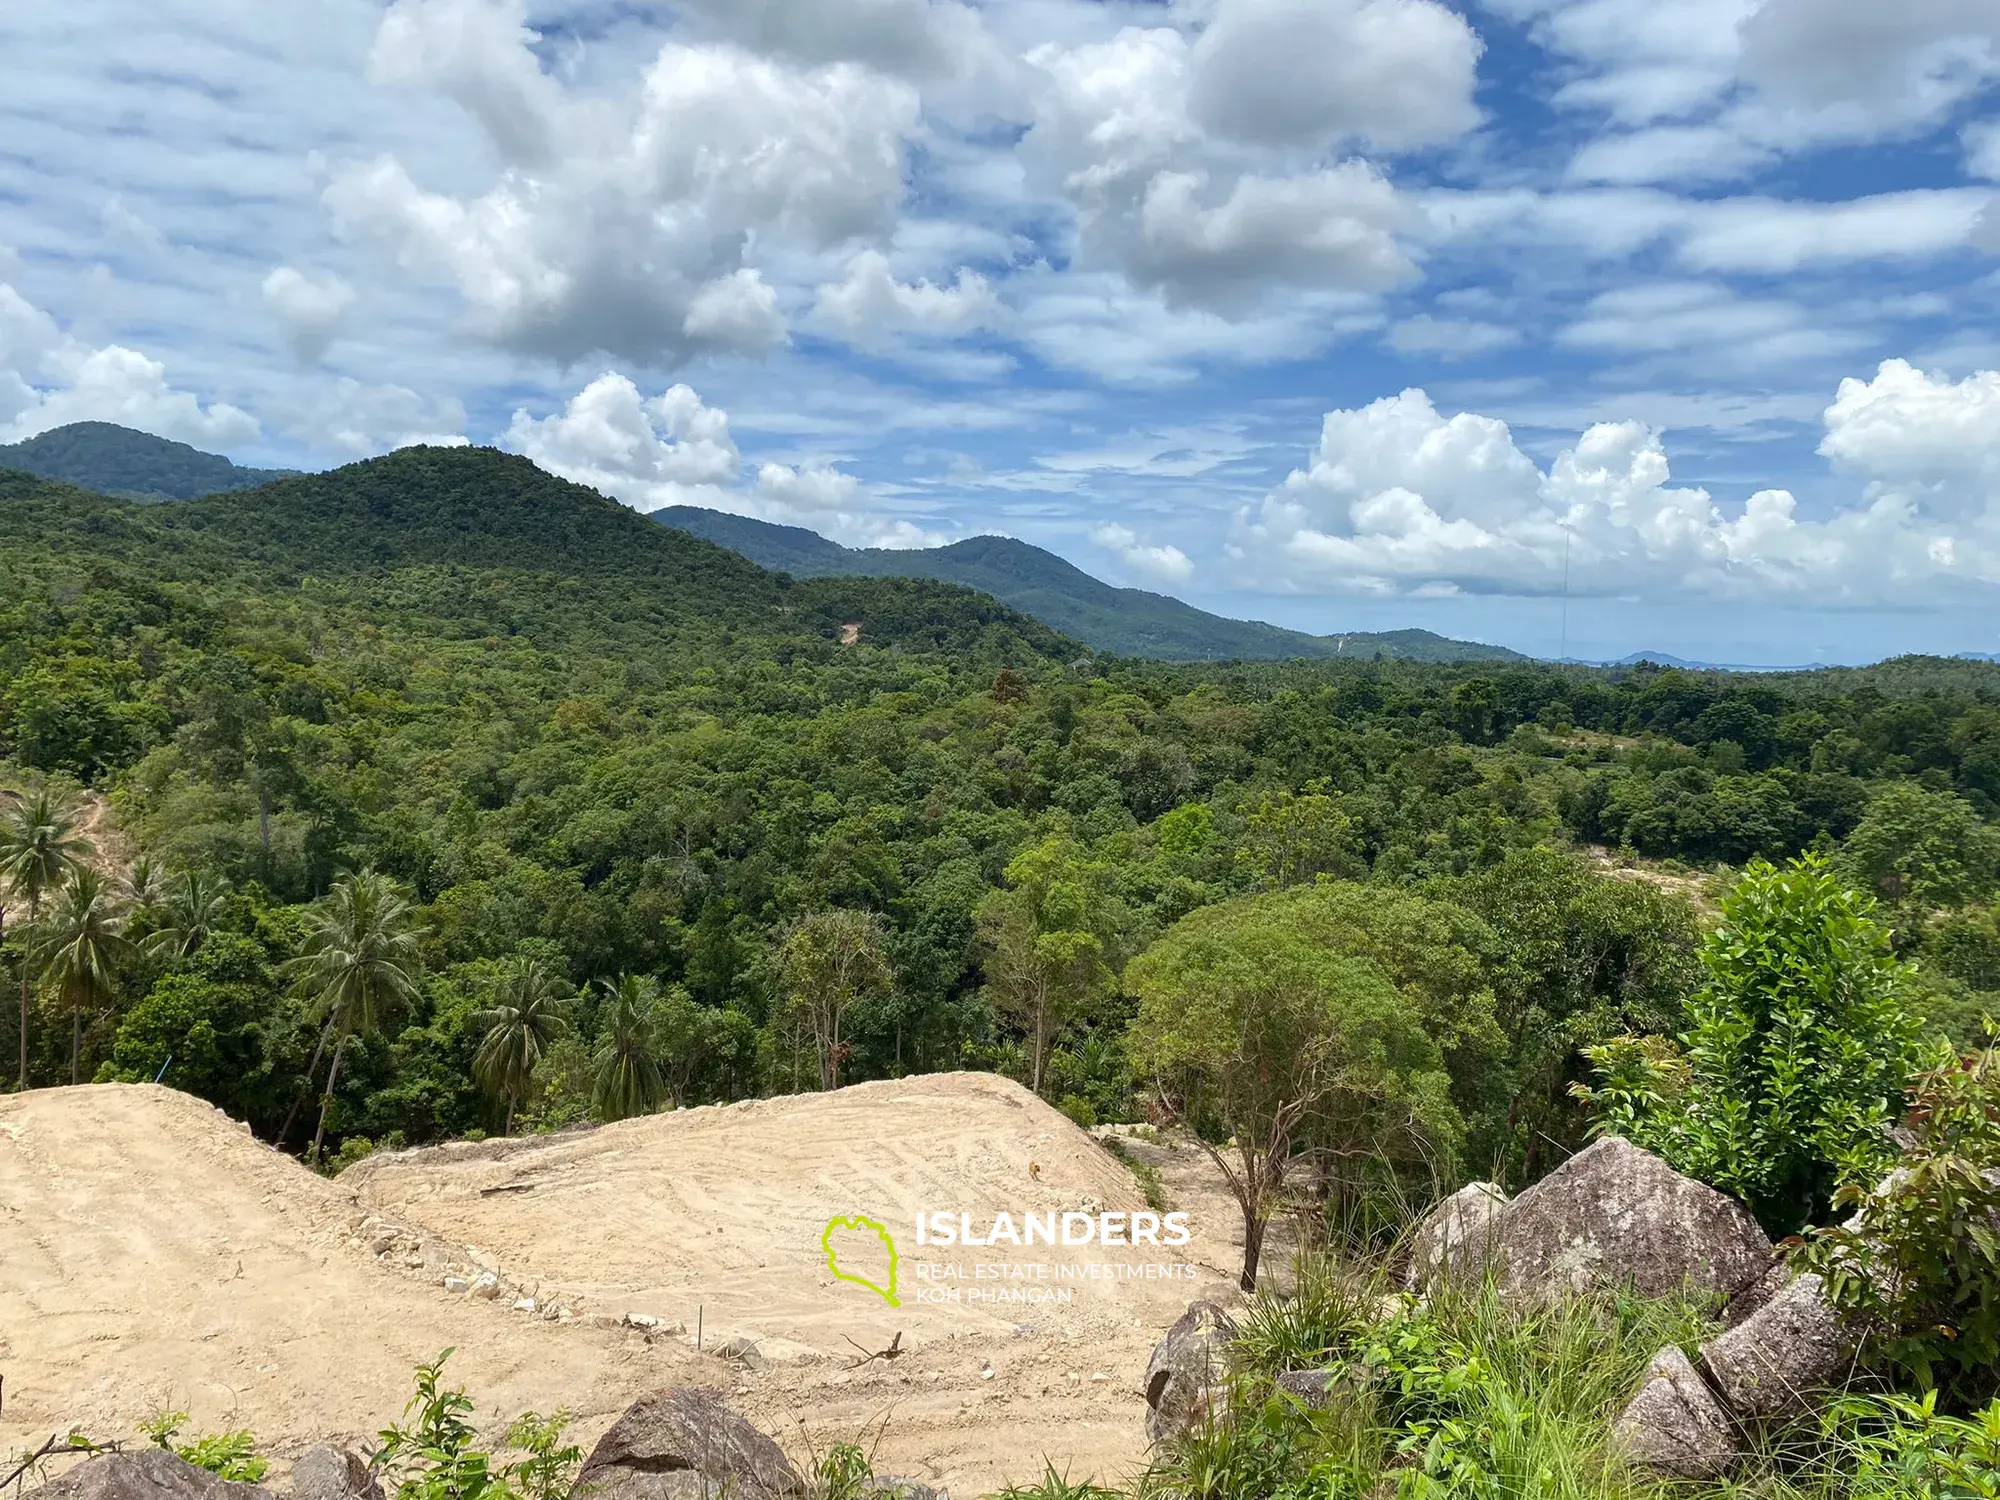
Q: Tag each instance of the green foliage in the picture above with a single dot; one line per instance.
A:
(529, 1012)
(1797, 1048)
(118, 461)
(430, 1454)
(626, 1065)
(843, 1472)
(1919, 1264)
(227, 1455)
(832, 962)
(1897, 1447)
(1918, 849)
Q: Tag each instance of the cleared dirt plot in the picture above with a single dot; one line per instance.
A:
(154, 1255)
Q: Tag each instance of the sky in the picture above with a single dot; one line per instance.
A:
(1585, 325)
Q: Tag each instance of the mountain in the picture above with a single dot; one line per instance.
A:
(496, 547)
(1128, 622)
(113, 460)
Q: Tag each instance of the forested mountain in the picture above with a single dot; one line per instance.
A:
(134, 465)
(599, 757)
(1130, 622)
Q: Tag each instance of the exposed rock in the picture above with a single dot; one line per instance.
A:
(1454, 1236)
(1613, 1215)
(1795, 1344)
(1187, 1370)
(486, 1285)
(684, 1444)
(144, 1474)
(743, 1350)
(457, 1284)
(1750, 1298)
(1318, 1389)
(1675, 1424)
(329, 1473)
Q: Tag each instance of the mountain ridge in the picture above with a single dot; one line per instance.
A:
(128, 464)
(1127, 622)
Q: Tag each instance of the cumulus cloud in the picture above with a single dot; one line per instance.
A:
(870, 305)
(1199, 166)
(625, 225)
(670, 450)
(361, 421)
(1166, 563)
(1399, 499)
(1450, 338)
(309, 308)
(49, 378)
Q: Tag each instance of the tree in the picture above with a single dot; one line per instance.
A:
(1254, 1032)
(626, 1064)
(359, 954)
(80, 942)
(1292, 839)
(41, 842)
(831, 961)
(1048, 941)
(1921, 850)
(529, 1011)
(192, 909)
(1798, 1046)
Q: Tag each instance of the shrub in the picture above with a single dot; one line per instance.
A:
(431, 1456)
(1798, 1045)
(1920, 1262)
(227, 1455)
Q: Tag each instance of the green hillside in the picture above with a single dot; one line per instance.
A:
(1129, 622)
(118, 461)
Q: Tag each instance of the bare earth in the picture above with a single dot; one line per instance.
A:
(153, 1255)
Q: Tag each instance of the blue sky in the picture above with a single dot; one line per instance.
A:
(1346, 314)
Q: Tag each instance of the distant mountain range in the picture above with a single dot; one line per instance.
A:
(1129, 622)
(113, 460)
(119, 461)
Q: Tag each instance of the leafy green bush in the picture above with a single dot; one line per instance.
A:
(227, 1455)
(430, 1456)
(1901, 1448)
(1920, 1261)
(1798, 1046)
(1079, 1109)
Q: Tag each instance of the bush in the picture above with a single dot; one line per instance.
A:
(227, 1455)
(1798, 1046)
(1079, 1109)
(431, 1456)
(1920, 1262)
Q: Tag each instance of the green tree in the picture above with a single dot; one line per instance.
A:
(1920, 850)
(832, 961)
(1048, 941)
(360, 953)
(1255, 1032)
(626, 1064)
(193, 908)
(41, 842)
(80, 942)
(529, 1012)
(1798, 1048)
(1295, 838)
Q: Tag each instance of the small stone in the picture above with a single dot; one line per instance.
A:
(643, 1320)
(486, 1285)
(457, 1284)
(524, 1304)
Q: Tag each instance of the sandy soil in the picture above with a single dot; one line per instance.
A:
(153, 1254)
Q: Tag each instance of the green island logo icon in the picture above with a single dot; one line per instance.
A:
(863, 1224)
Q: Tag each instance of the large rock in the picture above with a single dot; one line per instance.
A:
(144, 1474)
(1613, 1215)
(1318, 1390)
(1187, 1371)
(685, 1444)
(1456, 1234)
(1772, 1362)
(329, 1473)
(1675, 1424)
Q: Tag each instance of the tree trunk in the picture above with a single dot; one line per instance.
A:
(1253, 1240)
(326, 1102)
(509, 1130)
(305, 1089)
(1041, 1049)
(75, 1041)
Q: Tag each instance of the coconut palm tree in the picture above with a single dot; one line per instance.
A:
(360, 954)
(627, 1062)
(41, 842)
(192, 909)
(80, 942)
(145, 883)
(530, 1010)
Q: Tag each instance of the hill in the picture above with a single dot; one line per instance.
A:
(133, 465)
(1129, 622)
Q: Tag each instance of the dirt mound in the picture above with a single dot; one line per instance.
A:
(167, 1258)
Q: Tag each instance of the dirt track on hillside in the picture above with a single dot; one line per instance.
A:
(155, 1256)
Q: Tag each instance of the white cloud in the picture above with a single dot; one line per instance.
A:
(1668, 153)
(48, 379)
(1165, 563)
(361, 421)
(819, 496)
(1708, 320)
(870, 305)
(1402, 500)
(1774, 237)
(1450, 338)
(311, 309)
(624, 224)
(1982, 150)
(671, 450)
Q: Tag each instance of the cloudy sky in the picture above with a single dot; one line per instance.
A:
(1346, 314)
